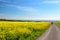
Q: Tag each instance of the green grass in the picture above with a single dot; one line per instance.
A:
(57, 24)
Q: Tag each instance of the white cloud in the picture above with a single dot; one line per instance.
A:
(28, 9)
(2, 15)
(3, 1)
(43, 17)
(23, 8)
(38, 18)
(51, 1)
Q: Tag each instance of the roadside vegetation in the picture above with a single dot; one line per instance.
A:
(57, 23)
(22, 30)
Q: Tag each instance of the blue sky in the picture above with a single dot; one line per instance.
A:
(30, 9)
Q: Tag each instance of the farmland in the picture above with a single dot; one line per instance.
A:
(22, 30)
(57, 23)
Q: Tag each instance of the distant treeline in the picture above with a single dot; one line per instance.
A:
(29, 20)
(19, 20)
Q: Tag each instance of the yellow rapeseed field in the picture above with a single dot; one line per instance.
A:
(22, 30)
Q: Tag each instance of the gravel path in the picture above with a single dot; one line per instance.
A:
(53, 33)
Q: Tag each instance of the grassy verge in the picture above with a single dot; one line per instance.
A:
(57, 23)
(22, 30)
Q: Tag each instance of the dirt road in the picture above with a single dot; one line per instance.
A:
(53, 33)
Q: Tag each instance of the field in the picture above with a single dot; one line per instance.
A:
(57, 23)
(22, 30)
